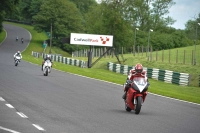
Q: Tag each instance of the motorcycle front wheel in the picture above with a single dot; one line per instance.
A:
(46, 72)
(138, 105)
(16, 63)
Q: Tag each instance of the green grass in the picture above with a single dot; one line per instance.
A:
(193, 70)
(182, 55)
(2, 36)
(99, 71)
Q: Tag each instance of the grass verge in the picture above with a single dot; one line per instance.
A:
(2, 36)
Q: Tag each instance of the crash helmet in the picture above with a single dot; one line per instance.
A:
(18, 52)
(48, 56)
(138, 68)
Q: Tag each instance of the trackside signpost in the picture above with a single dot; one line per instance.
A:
(92, 40)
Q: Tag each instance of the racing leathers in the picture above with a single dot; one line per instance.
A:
(17, 54)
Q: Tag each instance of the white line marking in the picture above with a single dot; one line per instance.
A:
(1, 99)
(38, 127)
(173, 98)
(21, 114)
(9, 130)
(9, 105)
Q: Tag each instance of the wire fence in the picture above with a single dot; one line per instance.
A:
(180, 56)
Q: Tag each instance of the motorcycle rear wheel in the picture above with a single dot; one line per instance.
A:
(138, 105)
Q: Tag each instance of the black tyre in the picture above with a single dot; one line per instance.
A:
(46, 72)
(16, 63)
(138, 105)
(127, 108)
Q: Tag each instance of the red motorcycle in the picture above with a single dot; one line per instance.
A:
(136, 94)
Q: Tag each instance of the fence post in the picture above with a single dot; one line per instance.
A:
(146, 51)
(192, 57)
(169, 55)
(151, 54)
(142, 49)
(156, 55)
(199, 80)
(184, 57)
(177, 56)
(134, 50)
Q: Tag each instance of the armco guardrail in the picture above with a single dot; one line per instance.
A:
(163, 75)
(61, 59)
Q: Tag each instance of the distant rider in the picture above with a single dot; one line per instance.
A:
(18, 54)
(17, 38)
(137, 71)
(22, 40)
(47, 58)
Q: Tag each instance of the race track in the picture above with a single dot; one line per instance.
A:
(67, 103)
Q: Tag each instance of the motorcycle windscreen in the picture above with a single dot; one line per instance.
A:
(48, 63)
(140, 83)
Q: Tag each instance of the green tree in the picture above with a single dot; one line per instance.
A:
(84, 5)
(6, 7)
(159, 9)
(162, 41)
(62, 15)
(148, 14)
(24, 6)
(107, 18)
(191, 28)
(35, 7)
(180, 39)
(25, 10)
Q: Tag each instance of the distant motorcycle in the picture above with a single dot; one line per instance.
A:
(47, 67)
(17, 60)
(136, 94)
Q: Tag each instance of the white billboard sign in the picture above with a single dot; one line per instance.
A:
(91, 39)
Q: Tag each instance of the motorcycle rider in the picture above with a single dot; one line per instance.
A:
(47, 58)
(17, 38)
(18, 54)
(137, 71)
(22, 40)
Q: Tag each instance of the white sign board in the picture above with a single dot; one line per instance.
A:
(91, 39)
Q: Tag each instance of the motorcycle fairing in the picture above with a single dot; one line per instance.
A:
(130, 98)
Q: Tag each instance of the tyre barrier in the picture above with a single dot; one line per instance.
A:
(64, 60)
(154, 73)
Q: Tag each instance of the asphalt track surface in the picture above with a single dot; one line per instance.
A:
(67, 103)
